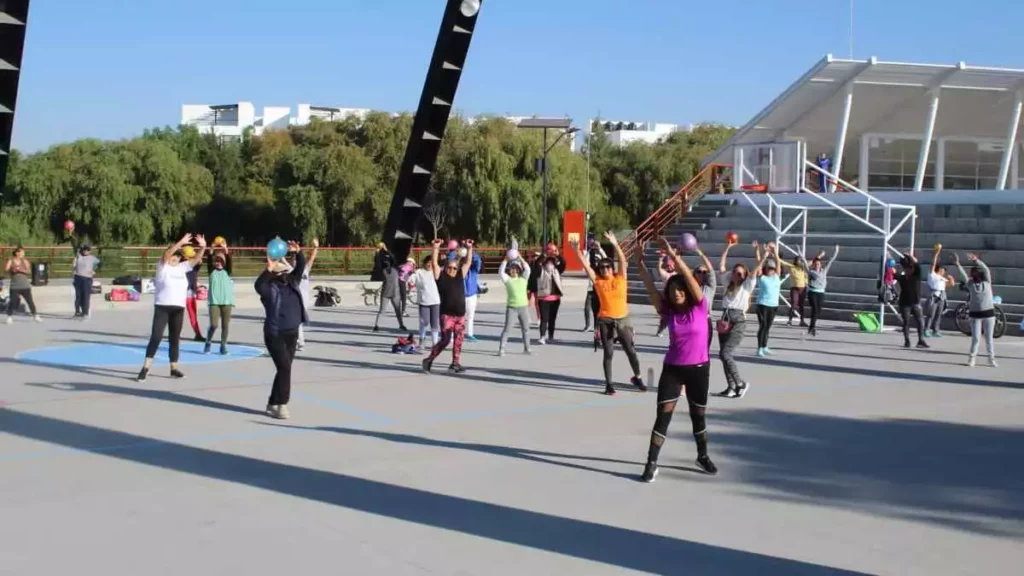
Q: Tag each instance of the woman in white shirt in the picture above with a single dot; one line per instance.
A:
(171, 283)
(429, 301)
(938, 280)
(739, 284)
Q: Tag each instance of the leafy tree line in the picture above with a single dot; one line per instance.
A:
(333, 180)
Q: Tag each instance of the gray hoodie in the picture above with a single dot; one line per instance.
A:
(980, 292)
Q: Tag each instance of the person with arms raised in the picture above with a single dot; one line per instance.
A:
(452, 288)
(280, 290)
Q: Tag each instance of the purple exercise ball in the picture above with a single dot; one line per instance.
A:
(689, 242)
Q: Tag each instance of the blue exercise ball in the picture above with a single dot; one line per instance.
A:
(277, 249)
(891, 263)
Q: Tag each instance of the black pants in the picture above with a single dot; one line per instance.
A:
(83, 294)
(403, 293)
(610, 329)
(905, 313)
(674, 379)
(168, 318)
(817, 300)
(548, 316)
(282, 351)
(796, 303)
(765, 318)
(15, 300)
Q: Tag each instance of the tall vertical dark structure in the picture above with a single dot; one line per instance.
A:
(435, 107)
(13, 23)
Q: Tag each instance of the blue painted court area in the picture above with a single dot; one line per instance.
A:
(123, 354)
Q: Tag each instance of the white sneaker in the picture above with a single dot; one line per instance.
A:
(992, 362)
(10, 320)
(283, 413)
(970, 361)
(37, 318)
(542, 341)
(501, 351)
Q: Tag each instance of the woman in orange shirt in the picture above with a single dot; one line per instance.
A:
(611, 289)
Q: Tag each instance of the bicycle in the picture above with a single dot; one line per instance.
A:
(963, 316)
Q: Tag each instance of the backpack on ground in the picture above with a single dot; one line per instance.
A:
(326, 297)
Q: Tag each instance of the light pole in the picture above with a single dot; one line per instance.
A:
(563, 124)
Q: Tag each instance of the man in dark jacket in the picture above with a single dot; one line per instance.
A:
(278, 287)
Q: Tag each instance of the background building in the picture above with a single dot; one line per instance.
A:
(232, 120)
(621, 133)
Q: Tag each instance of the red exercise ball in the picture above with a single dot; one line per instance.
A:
(69, 226)
(732, 238)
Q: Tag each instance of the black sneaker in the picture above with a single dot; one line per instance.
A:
(923, 344)
(906, 344)
(223, 350)
(741, 391)
(143, 374)
(728, 393)
(639, 383)
(177, 374)
(650, 472)
(427, 363)
(456, 369)
(609, 391)
(199, 338)
(207, 347)
(707, 465)
(376, 329)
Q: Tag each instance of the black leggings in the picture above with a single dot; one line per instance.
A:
(168, 318)
(590, 309)
(281, 347)
(817, 300)
(674, 379)
(14, 300)
(610, 328)
(765, 318)
(548, 316)
(905, 313)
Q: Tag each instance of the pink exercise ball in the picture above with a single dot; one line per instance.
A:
(689, 242)
(453, 244)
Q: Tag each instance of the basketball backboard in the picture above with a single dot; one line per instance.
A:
(768, 166)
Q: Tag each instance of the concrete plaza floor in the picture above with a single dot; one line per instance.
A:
(849, 454)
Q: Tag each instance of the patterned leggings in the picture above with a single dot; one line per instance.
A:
(452, 328)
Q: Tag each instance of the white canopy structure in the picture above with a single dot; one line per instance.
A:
(901, 126)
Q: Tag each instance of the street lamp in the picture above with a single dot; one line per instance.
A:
(563, 124)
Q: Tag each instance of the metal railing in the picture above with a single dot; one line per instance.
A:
(776, 219)
(672, 209)
(246, 261)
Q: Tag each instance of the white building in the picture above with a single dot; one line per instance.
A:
(900, 126)
(232, 120)
(621, 133)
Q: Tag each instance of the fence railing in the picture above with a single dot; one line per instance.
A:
(246, 261)
(673, 208)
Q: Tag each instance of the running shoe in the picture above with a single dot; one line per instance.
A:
(528, 352)
(456, 369)
(970, 361)
(789, 322)
(542, 341)
(650, 472)
(469, 338)
(923, 344)
(768, 351)
(609, 391)
(741, 391)
(143, 374)
(177, 374)
(760, 352)
(906, 344)
(937, 334)
(927, 333)
(271, 410)
(427, 363)
(992, 362)
(223, 350)
(283, 413)
(707, 465)
(37, 318)
(639, 383)
(501, 352)
(207, 347)
(300, 347)
(728, 393)
(9, 320)
(199, 338)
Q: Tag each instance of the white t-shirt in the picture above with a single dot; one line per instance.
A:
(171, 284)
(740, 299)
(426, 287)
(936, 282)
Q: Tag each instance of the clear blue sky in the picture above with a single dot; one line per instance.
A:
(110, 68)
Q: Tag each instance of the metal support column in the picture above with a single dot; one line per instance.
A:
(844, 126)
(1011, 140)
(864, 169)
(926, 145)
(887, 226)
(940, 164)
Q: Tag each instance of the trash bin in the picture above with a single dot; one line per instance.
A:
(40, 273)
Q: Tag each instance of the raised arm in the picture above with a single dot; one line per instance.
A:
(692, 286)
(620, 256)
(525, 266)
(724, 260)
(173, 249)
(197, 260)
(935, 258)
(434, 266)
(262, 285)
(470, 255)
(501, 270)
(835, 254)
(963, 273)
(300, 261)
(583, 258)
(981, 266)
(313, 255)
(645, 275)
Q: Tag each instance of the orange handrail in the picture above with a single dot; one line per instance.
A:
(671, 210)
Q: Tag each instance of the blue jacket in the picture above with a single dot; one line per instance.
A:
(472, 278)
(270, 296)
